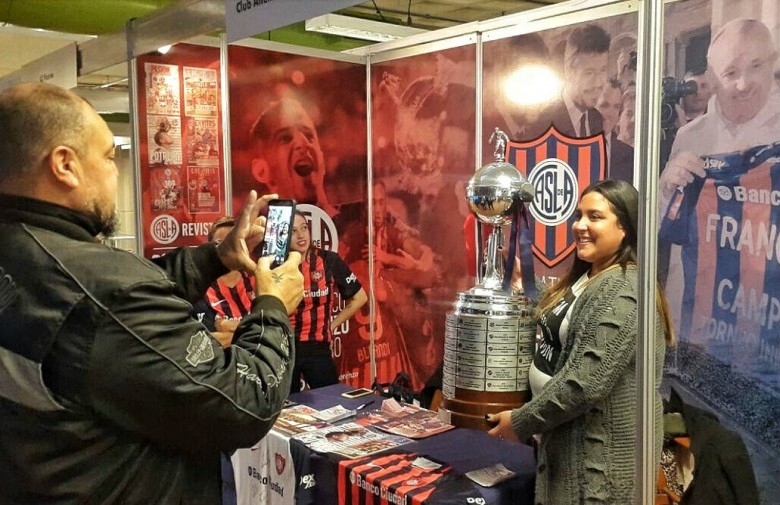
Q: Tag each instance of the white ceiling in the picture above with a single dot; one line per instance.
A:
(22, 45)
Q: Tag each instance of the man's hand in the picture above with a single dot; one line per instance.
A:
(248, 231)
(224, 324)
(225, 338)
(284, 282)
(681, 169)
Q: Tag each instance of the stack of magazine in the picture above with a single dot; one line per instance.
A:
(396, 424)
(408, 421)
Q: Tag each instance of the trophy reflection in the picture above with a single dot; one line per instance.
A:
(489, 336)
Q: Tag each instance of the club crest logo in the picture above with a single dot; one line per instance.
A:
(559, 167)
(281, 462)
(321, 226)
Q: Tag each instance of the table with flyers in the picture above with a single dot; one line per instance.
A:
(307, 466)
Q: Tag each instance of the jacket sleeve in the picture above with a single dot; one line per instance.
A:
(598, 358)
(192, 269)
(158, 373)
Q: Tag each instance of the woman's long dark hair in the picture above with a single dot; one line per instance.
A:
(623, 200)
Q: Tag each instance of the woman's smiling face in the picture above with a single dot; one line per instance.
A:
(597, 232)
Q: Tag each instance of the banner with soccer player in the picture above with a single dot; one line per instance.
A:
(423, 116)
(182, 174)
(298, 128)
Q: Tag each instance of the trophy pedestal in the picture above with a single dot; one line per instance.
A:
(488, 349)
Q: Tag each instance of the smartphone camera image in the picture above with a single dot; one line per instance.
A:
(357, 393)
(278, 227)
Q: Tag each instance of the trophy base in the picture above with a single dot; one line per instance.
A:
(488, 348)
(468, 408)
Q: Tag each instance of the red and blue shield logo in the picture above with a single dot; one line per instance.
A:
(559, 167)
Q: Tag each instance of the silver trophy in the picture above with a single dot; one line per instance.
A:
(489, 336)
(493, 194)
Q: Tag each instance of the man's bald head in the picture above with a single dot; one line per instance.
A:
(741, 58)
(35, 118)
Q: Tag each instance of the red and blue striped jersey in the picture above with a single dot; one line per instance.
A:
(727, 224)
(327, 281)
(224, 302)
(387, 480)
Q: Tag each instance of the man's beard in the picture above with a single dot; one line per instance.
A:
(105, 223)
(107, 226)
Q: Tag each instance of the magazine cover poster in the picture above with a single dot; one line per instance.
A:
(201, 92)
(182, 180)
(167, 188)
(164, 140)
(298, 128)
(162, 89)
(203, 189)
(203, 141)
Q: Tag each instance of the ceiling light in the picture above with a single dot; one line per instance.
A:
(356, 28)
(164, 49)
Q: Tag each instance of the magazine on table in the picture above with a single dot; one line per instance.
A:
(335, 413)
(298, 419)
(351, 440)
(407, 421)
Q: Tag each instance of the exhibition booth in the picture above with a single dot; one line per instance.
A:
(395, 130)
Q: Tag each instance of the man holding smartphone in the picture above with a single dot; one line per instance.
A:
(324, 274)
(110, 391)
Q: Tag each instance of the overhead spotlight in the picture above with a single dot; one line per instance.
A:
(335, 24)
(164, 49)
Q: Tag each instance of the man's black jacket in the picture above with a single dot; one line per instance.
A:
(110, 392)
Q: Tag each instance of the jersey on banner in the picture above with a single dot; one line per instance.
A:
(559, 167)
(727, 224)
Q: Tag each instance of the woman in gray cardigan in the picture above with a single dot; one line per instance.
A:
(585, 412)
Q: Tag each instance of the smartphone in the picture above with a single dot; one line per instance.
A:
(278, 230)
(357, 393)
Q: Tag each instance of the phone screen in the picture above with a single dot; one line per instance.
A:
(278, 230)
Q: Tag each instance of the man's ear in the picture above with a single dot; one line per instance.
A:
(261, 172)
(64, 165)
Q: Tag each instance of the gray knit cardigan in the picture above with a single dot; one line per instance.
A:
(587, 412)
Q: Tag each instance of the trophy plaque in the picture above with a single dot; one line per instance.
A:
(490, 333)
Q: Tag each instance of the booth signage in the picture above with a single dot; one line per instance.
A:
(244, 18)
(58, 68)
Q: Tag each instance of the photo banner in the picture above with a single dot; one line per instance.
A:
(298, 128)
(720, 210)
(182, 173)
(423, 117)
(565, 98)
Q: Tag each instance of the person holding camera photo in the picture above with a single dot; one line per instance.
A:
(112, 392)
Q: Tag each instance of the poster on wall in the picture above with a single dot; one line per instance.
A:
(565, 98)
(182, 177)
(298, 128)
(720, 209)
(423, 116)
